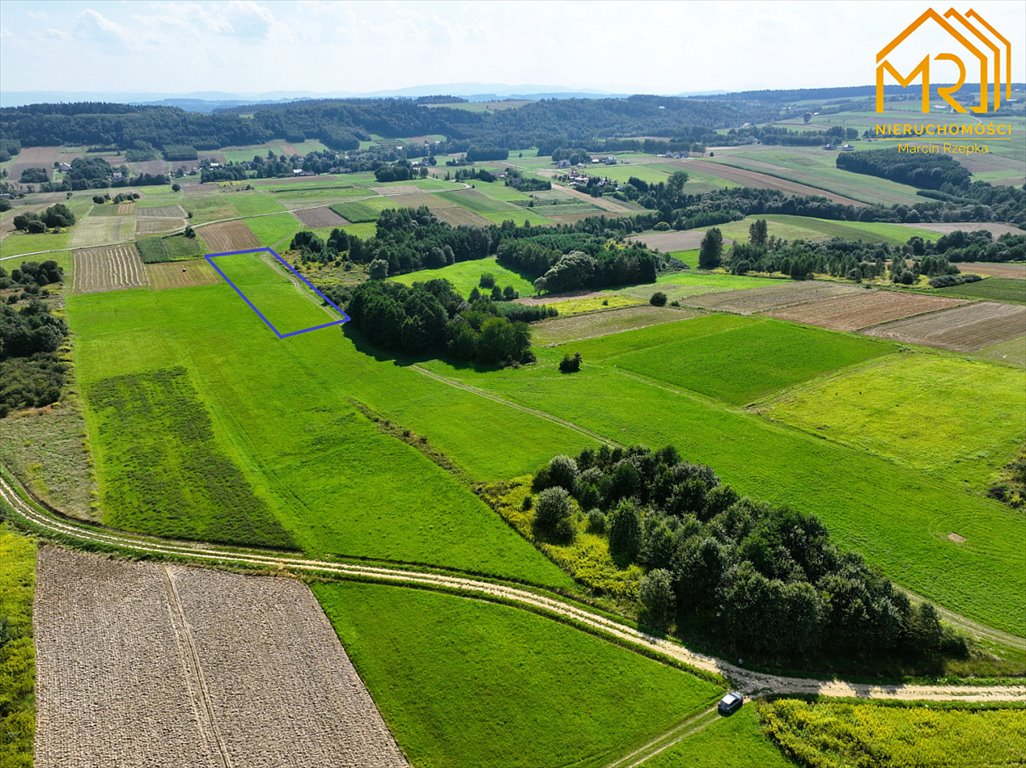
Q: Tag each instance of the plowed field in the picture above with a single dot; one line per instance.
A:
(855, 311)
(229, 236)
(963, 329)
(108, 269)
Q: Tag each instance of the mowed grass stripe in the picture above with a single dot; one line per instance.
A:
(465, 683)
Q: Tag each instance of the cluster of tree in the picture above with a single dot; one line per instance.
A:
(517, 180)
(120, 197)
(8, 149)
(472, 174)
(776, 134)
(1002, 203)
(476, 154)
(34, 176)
(665, 196)
(400, 171)
(30, 373)
(57, 215)
(950, 281)
(432, 319)
(937, 171)
(766, 580)
(978, 245)
(568, 261)
(31, 276)
(97, 173)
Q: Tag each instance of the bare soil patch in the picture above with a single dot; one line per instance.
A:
(33, 157)
(852, 312)
(685, 240)
(762, 181)
(787, 294)
(963, 329)
(145, 226)
(991, 269)
(558, 330)
(110, 268)
(320, 217)
(956, 538)
(180, 274)
(228, 236)
(142, 664)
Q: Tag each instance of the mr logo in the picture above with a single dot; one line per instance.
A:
(986, 53)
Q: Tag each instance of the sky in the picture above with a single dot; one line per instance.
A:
(259, 46)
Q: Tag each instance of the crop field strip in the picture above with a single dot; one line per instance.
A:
(1013, 271)
(180, 274)
(125, 209)
(143, 663)
(102, 230)
(228, 236)
(158, 226)
(319, 217)
(752, 301)
(560, 330)
(162, 212)
(110, 268)
(749, 178)
(961, 329)
(856, 311)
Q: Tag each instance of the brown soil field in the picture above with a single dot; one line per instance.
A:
(319, 217)
(967, 226)
(146, 664)
(855, 311)
(761, 180)
(398, 189)
(126, 209)
(994, 269)
(108, 269)
(228, 236)
(32, 157)
(558, 330)
(963, 329)
(102, 230)
(146, 226)
(180, 274)
(163, 212)
(684, 240)
(788, 293)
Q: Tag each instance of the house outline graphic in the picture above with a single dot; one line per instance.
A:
(922, 69)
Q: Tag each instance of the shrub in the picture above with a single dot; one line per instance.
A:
(570, 364)
(563, 472)
(655, 593)
(553, 515)
(658, 299)
(625, 532)
(487, 280)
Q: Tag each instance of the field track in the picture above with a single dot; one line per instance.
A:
(110, 268)
(856, 311)
(229, 236)
(752, 682)
(962, 329)
(138, 661)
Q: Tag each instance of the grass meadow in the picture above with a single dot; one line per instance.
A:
(17, 652)
(923, 410)
(737, 741)
(992, 289)
(466, 275)
(464, 683)
(788, 227)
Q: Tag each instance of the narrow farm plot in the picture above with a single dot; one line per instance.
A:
(157, 226)
(465, 683)
(782, 294)
(319, 217)
(852, 312)
(102, 230)
(142, 664)
(749, 178)
(125, 209)
(1004, 289)
(229, 236)
(162, 212)
(934, 425)
(559, 330)
(684, 240)
(108, 269)
(180, 274)
(994, 269)
(963, 329)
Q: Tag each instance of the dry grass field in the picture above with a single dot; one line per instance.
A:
(855, 311)
(992, 269)
(559, 330)
(108, 269)
(787, 294)
(157, 226)
(746, 178)
(180, 274)
(963, 329)
(163, 212)
(229, 236)
(683, 240)
(319, 217)
(995, 228)
(397, 189)
(146, 664)
(102, 230)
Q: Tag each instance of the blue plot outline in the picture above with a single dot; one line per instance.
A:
(210, 260)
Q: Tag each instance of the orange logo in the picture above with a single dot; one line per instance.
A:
(986, 50)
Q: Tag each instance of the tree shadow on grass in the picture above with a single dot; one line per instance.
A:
(404, 360)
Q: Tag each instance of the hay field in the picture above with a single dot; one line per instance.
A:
(143, 664)
(108, 269)
(180, 274)
(102, 230)
(852, 312)
(963, 329)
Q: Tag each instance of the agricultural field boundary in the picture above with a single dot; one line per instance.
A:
(81, 534)
(344, 319)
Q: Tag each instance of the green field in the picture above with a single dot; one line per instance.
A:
(737, 741)
(1012, 352)
(465, 683)
(921, 410)
(898, 519)
(154, 250)
(991, 288)
(905, 736)
(360, 211)
(337, 484)
(807, 228)
(466, 275)
(731, 358)
(17, 652)
(18, 243)
(275, 231)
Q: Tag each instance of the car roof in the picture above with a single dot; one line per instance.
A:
(731, 696)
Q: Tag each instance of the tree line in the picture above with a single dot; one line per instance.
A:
(764, 580)
(31, 375)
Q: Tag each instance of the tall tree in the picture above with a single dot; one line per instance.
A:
(711, 254)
